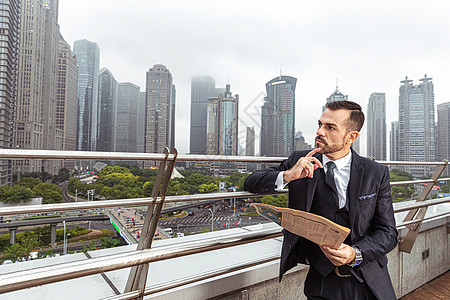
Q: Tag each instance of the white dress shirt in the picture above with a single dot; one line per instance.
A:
(341, 176)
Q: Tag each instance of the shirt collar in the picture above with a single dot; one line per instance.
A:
(341, 162)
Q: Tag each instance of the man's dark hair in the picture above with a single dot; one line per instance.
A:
(356, 120)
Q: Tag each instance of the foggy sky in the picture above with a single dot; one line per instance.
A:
(369, 46)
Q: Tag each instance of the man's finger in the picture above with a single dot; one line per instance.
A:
(317, 162)
(312, 152)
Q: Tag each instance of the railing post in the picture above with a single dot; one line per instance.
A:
(138, 274)
(407, 243)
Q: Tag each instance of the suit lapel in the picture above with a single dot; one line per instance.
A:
(354, 186)
(311, 186)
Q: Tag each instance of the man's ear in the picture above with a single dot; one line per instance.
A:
(351, 137)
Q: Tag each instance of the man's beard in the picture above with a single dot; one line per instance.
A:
(326, 148)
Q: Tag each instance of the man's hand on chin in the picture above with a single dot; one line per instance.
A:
(339, 257)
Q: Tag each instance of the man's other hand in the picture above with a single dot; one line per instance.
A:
(304, 167)
(339, 257)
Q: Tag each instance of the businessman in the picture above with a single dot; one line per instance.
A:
(335, 182)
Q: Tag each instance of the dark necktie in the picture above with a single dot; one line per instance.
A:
(329, 179)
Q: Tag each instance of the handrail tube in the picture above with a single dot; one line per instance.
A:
(17, 210)
(421, 204)
(421, 220)
(49, 274)
(91, 155)
(183, 281)
(124, 202)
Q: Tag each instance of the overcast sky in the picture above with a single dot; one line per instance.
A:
(369, 46)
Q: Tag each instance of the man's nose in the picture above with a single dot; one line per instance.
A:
(320, 131)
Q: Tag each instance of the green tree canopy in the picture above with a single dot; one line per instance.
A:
(15, 193)
(279, 201)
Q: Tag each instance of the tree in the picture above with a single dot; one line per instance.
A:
(208, 188)
(29, 182)
(21, 249)
(279, 201)
(108, 242)
(15, 193)
(50, 192)
(62, 176)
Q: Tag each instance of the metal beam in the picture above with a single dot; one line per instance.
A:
(407, 242)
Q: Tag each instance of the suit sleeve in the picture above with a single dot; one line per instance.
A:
(263, 181)
(381, 237)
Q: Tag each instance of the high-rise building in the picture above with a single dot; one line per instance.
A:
(9, 62)
(300, 143)
(337, 95)
(107, 111)
(36, 101)
(394, 141)
(278, 117)
(417, 137)
(222, 124)
(250, 142)
(202, 88)
(140, 130)
(443, 130)
(127, 117)
(376, 126)
(160, 121)
(88, 58)
(66, 99)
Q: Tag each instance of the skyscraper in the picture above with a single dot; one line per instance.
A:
(222, 124)
(278, 117)
(250, 142)
(36, 101)
(160, 110)
(140, 130)
(107, 103)
(417, 137)
(376, 126)
(66, 98)
(300, 143)
(9, 35)
(394, 141)
(202, 88)
(127, 117)
(337, 95)
(88, 56)
(443, 130)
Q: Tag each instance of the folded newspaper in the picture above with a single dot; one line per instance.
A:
(310, 226)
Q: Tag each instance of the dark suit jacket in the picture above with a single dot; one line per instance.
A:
(372, 221)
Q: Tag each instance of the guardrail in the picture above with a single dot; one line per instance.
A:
(140, 258)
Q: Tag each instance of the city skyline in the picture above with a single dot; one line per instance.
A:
(190, 43)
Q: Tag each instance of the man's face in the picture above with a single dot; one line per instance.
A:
(332, 132)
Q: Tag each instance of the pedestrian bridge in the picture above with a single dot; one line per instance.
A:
(239, 263)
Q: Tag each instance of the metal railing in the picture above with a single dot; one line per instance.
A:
(144, 255)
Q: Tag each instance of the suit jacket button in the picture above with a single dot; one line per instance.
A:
(290, 247)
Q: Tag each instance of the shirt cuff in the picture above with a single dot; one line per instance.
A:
(279, 183)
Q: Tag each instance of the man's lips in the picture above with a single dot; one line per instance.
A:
(320, 141)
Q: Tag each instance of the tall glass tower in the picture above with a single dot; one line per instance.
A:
(107, 101)
(278, 117)
(443, 128)
(88, 58)
(376, 126)
(160, 128)
(127, 117)
(417, 135)
(222, 123)
(9, 35)
(202, 88)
